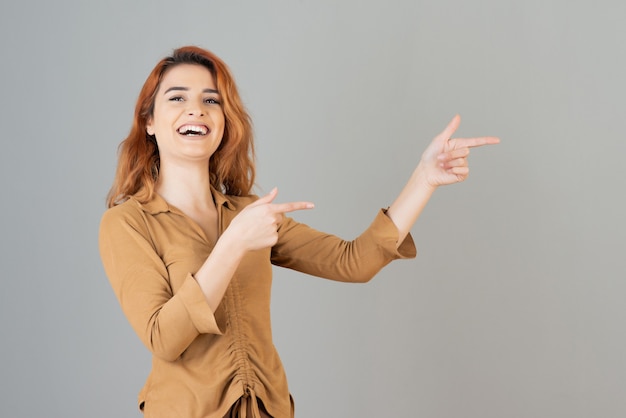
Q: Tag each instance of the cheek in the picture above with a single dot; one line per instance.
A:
(222, 129)
(220, 116)
(220, 121)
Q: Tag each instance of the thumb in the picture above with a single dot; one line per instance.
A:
(451, 128)
(268, 198)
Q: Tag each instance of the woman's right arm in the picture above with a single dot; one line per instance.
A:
(165, 322)
(254, 228)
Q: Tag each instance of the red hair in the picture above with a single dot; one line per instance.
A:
(232, 167)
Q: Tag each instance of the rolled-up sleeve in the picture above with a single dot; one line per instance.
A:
(165, 322)
(305, 249)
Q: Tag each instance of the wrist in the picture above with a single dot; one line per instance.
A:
(229, 243)
(419, 180)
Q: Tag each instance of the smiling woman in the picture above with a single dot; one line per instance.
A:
(187, 120)
(189, 251)
(233, 162)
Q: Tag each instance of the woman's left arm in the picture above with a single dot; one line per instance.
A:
(443, 162)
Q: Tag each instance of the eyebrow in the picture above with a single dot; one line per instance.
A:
(187, 89)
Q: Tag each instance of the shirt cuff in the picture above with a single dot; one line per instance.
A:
(386, 232)
(197, 307)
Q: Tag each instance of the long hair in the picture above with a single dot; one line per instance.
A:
(231, 166)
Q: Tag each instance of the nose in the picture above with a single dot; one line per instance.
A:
(195, 112)
(195, 109)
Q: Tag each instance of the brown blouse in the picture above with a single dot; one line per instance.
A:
(203, 363)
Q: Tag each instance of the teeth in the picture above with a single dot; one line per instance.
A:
(192, 130)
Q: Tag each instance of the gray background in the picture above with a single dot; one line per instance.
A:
(514, 306)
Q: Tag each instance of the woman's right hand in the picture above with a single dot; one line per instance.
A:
(256, 226)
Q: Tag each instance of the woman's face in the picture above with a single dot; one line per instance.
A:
(188, 120)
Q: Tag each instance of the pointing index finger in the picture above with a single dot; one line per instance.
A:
(291, 206)
(475, 142)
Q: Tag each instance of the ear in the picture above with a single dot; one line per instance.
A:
(149, 127)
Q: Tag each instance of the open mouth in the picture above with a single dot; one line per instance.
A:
(193, 130)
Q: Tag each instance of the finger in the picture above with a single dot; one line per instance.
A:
(459, 171)
(451, 128)
(268, 198)
(459, 162)
(454, 154)
(291, 206)
(475, 142)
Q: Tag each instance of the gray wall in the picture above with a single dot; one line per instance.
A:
(514, 306)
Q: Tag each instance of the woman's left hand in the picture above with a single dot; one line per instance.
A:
(445, 160)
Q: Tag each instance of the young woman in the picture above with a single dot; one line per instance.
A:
(188, 249)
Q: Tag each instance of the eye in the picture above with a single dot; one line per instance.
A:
(175, 99)
(211, 100)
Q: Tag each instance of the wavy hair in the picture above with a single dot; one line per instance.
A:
(231, 166)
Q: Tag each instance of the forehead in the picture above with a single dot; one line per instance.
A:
(188, 75)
